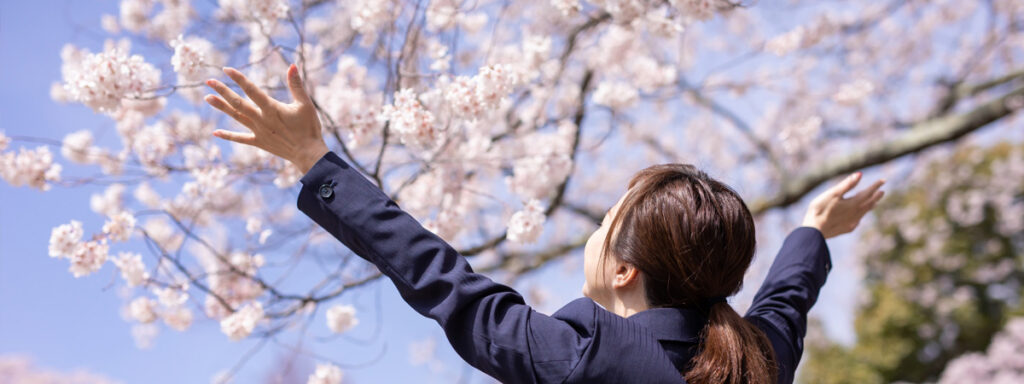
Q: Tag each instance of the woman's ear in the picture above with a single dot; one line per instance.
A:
(626, 275)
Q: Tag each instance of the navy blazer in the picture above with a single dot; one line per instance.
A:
(490, 326)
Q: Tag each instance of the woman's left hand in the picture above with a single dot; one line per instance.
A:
(834, 215)
(291, 131)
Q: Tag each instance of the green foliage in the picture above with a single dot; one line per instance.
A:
(943, 270)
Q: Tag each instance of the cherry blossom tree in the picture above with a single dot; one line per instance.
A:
(506, 127)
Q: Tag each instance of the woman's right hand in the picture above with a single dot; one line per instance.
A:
(834, 215)
(289, 130)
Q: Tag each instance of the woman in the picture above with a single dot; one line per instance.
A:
(658, 270)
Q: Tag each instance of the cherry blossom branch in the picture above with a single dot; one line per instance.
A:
(923, 135)
(959, 91)
(232, 269)
(740, 125)
(512, 262)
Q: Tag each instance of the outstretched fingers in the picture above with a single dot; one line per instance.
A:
(254, 92)
(233, 100)
(224, 106)
(868, 204)
(869, 192)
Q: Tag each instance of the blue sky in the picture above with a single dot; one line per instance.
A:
(65, 323)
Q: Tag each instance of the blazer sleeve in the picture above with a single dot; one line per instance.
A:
(488, 324)
(781, 304)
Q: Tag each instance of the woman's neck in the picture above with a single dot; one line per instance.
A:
(629, 303)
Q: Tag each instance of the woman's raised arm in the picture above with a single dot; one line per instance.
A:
(487, 323)
(799, 270)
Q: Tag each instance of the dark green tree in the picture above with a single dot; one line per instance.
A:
(942, 269)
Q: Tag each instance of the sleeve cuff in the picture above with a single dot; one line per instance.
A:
(814, 235)
(810, 231)
(322, 169)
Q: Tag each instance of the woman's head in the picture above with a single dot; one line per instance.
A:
(678, 237)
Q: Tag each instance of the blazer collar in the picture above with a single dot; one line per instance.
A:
(672, 323)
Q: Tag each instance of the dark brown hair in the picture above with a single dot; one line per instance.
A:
(692, 239)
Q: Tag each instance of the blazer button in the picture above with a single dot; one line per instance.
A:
(326, 191)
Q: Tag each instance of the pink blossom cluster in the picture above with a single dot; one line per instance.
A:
(229, 277)
(471, 98)
(799, 134)
(854, 92)
(367, 16)
(1001, 363)
(567, 7)
(442, 189)
(32, 167)
(341, 318)
(169, 306)
(143, 310)
(103, 80)
(629, 10)
(109, 202)
(207, 182)
(700, 9)
(179, 317)
(119, 227)
(541, 161)
(240, 324)
(86, 257)
(441, 14)
(137, 16)
(525, 225)
(622, 78)
(616, 94)
(255, 225)
(350, 100)
(89, 256)
(785, 43)
(133, 271)
(325, 373)
(446, 14)
(414, 124)
(78, 147)
(265, 12)
(152, 144)
(195, 59)
(65, 238)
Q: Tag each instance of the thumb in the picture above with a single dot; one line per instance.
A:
(295, 85)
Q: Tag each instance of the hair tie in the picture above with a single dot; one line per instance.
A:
(710, 301)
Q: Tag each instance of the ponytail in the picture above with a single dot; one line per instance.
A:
(733, 351)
